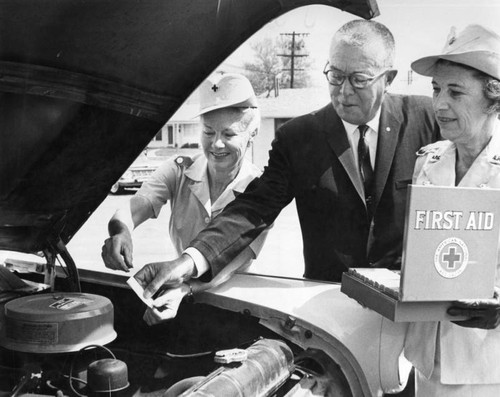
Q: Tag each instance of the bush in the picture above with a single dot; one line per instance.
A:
(190, 146)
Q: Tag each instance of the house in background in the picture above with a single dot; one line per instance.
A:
(278, 109)
(182, 129)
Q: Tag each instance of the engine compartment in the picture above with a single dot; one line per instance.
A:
(174, 358)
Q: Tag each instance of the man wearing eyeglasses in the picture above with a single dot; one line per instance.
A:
(346, 165)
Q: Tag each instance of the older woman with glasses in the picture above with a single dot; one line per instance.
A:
(460, 358)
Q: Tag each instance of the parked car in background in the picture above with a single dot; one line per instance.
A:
(140, 170)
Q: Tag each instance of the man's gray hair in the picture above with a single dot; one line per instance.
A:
(360, 32)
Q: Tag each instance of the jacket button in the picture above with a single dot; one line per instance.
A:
(207, 219)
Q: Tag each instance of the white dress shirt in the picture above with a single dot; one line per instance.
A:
(371, 137)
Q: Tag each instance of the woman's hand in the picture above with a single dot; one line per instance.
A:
(166, 305)
(483, 314)
(117, 251)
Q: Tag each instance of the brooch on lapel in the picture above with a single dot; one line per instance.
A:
(435, 158)
(424, 151)
(429, 150)
(495, 159)
(435, 150)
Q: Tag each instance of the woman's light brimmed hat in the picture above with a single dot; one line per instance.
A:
(475, 46)
(225, 91)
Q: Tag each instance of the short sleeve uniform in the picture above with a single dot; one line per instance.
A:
(464, 356)
(184, 182)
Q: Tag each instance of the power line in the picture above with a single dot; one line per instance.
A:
(297, 45)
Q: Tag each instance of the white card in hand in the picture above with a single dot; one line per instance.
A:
(137, 288)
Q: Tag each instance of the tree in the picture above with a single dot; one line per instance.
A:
(268, 69)
(266, 66)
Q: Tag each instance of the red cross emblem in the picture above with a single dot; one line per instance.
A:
(451, 257)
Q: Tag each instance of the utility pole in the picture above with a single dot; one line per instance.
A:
(296, 45)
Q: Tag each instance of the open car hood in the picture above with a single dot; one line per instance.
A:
(85, 85)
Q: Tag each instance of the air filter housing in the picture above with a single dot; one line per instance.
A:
(57, 322)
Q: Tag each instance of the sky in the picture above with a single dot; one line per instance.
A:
(420, 28)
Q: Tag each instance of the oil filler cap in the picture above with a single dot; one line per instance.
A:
(107, 375)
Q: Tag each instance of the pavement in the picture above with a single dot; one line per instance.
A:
(281, 254)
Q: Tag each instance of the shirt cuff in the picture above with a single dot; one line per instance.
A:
(200, 263)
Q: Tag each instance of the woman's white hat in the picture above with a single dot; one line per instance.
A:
(475, 46)
(224, 91)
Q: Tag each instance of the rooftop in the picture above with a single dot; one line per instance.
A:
(293, 102)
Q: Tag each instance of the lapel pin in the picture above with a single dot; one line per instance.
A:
(495, 159)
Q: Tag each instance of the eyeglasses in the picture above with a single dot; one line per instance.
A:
(357, 80)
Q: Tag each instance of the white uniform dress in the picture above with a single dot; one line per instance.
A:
(184, 182)
(453, 360)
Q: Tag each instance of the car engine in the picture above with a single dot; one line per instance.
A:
(88, 344)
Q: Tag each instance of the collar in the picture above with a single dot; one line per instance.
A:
(373, 124)
(491, 152)
(439, 169)
(493, 149)
(198, 172)
(247, 173)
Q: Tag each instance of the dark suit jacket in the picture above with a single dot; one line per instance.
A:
(311, 161)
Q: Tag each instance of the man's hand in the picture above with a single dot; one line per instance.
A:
(117, 251)
(481, 313)
(166, 305)
(168, 274)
